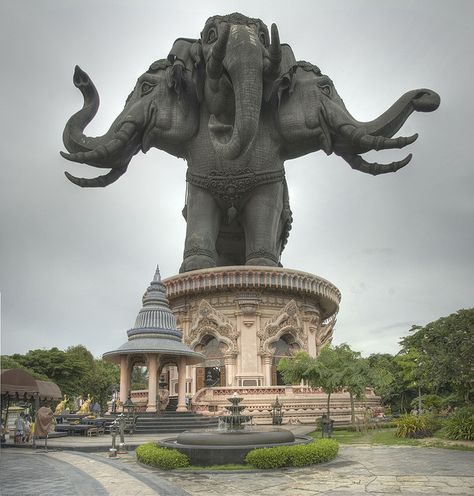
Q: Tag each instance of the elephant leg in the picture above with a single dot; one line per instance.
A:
(203, 221)
(261, 221)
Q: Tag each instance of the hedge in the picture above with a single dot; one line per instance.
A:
(300, 455)
(165, 458)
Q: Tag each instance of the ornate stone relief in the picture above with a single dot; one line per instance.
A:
(313, 317)
(208, 320)
(324, 334)
(248, 303)
(287, 321)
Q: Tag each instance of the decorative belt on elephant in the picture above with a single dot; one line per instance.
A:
(231, 186)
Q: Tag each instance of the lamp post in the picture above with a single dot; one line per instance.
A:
(113, 432)
(277, 412)
(121, 419)
(129, 411)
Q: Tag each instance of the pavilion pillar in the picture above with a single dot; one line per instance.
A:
(152, 366)
(124, 378)
(182, 385)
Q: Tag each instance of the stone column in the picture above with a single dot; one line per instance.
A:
(182, 385)
(152, 366)
(229, 362)
(267, 369)
(124, 378)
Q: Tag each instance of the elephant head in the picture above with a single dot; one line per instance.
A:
(312, 116)
(238, 64)
(162, 112)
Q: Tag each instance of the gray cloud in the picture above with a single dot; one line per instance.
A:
(75, 263)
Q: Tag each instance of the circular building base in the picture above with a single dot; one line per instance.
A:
(255, 315)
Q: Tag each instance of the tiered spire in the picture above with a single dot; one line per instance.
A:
(155, 315)
(155, 329)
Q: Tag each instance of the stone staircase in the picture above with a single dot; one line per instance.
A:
(172, 422)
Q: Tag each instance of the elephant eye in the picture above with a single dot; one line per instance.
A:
(262, 38)
(211, 35)
(146, 88)
(326, 90)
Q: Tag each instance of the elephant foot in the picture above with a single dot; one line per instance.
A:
(262, 261)
(262, 258)
(196, 262)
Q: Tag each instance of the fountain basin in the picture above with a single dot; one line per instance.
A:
(222, 447)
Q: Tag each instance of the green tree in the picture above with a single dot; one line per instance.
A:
(75, 371)
(445, 353)
(103, 377)
(69, 369)
(7, 362)
(323, 372)
(390, 380)
(354, 374)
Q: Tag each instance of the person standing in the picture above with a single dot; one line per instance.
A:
(19, 429)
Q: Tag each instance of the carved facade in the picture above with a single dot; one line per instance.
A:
(256, 315)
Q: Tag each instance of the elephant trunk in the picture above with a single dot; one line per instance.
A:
(353, 137)
(113, 150)
(361, 137)
(73, 136)
(421, 100)
(244, 66)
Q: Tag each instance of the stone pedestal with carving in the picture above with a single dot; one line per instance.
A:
(252, 316)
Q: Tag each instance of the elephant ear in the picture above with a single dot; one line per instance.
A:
(288, 59)
(183, 53)
(284, 81)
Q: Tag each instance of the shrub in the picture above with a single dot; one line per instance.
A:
(300, 455)
(412, 426)
(165, 458)
(276, 457)
(461, 424)
(315, 452)
(433, 422)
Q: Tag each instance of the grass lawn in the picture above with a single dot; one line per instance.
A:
(387, 437)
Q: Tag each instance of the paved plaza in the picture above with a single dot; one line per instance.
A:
(380, 470)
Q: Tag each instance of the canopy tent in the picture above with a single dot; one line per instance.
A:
(20, 383)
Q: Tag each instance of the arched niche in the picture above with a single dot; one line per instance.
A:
(211, 372)
(285, 346)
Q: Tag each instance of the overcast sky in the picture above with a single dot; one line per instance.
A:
(74, 263)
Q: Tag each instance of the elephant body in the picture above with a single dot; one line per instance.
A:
(235, 105)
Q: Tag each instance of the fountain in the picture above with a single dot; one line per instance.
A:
(232, 440)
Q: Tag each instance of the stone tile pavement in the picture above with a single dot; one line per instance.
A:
(375, 470)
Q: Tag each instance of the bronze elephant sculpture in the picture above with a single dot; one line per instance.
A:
(235, 104)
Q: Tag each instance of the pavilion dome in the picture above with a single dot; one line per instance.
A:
(155, 329)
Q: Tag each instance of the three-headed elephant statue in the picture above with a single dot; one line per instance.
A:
(235, 104)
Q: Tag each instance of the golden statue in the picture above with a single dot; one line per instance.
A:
(85, 408)
(61, 406)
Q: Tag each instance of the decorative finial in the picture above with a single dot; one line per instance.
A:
(157, 277)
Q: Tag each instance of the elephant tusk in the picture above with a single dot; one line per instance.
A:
(374, 168)
(97, 182)
(363, 142)
(214, 65)
(272, 71)
(368, 142)
(96, 157)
